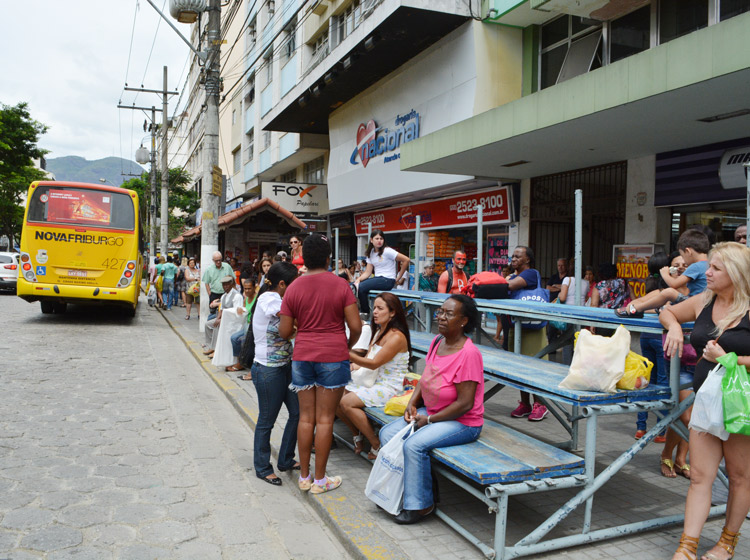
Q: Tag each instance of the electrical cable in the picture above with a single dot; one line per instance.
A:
(153, 43)
(132, 36)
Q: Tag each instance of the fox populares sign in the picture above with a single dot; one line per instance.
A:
(298, 198)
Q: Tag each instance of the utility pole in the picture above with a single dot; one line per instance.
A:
(212, 181)
(152, 206)
(163, 238)
(164, 170)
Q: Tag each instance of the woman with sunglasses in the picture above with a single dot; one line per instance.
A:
(447, 406)
(296, 253)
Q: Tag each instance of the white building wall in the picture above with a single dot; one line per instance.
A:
(439, 84)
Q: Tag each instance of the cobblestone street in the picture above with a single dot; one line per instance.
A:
(115, 444)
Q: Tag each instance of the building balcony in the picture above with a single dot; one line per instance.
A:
(390, 33)
(249, 118)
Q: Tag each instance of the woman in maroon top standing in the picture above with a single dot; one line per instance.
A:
(319, 302)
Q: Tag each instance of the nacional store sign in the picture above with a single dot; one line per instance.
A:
(449, 212)
(373, 141)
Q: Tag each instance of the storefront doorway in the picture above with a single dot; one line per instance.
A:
(552, 215)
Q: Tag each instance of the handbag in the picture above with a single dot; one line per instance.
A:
(735, 389)
(538, 294)
(385, 485)
(366, 377)
(598, 361)
(689, 355)
(708, 412)
(559, 325)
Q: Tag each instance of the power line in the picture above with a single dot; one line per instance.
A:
(132, 36)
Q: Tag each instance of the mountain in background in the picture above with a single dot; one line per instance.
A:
(74, 168)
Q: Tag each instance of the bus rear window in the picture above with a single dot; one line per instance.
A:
(82, 207)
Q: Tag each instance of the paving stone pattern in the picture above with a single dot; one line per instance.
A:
(115, 444)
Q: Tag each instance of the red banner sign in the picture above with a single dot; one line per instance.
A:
(454, 211)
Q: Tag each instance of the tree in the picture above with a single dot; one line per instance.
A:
(19, 134)
(183, 201)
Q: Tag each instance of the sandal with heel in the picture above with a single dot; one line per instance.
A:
(688, 547)
(358, 440)
(727, 541)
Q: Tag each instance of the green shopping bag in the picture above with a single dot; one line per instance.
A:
(735, 388)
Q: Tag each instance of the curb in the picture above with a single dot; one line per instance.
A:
(355, 529)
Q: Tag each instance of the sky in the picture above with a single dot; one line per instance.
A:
(68, 59)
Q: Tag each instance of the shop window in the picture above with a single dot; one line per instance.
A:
(731, 8)
(571, 46)
(314, 171)
(680, 17)
(630, 34)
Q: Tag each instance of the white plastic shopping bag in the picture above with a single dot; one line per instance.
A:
(708, 413)
(385, 486)
(151, 296)
(598, 361)
(231, 322)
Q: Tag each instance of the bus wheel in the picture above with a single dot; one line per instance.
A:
(129, 311)
(60, 308)
(48, 307)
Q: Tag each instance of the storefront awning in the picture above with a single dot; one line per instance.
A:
(239, 215)
(685, 93)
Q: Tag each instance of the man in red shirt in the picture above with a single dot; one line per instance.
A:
(452, 280)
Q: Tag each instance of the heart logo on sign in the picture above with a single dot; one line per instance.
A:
(365, 134)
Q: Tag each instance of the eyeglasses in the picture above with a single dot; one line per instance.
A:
(447, 314)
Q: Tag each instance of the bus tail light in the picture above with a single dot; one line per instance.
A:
(127, 275)
(28, 270)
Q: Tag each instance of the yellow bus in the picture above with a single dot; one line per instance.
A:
(81, 243)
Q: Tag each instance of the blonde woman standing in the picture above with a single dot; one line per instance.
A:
(722, 325)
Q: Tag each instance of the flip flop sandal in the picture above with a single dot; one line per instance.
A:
(629, 312)
(682, 470)
(670, 465)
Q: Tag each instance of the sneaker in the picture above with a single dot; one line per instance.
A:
(305, 483)
(332, 482)
(521, 410)
(538, 412)
(639, 434)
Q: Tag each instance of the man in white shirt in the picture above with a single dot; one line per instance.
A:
(230, 299)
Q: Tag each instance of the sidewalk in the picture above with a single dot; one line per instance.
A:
(639, 492)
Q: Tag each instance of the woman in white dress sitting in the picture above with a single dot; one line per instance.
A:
(379, 375)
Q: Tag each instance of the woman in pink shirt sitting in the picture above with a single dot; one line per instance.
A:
(447, 405)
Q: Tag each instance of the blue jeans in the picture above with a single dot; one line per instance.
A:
(372, 283)
(166, 290)
(271, 384)
(237, 339)
(330, 375)
(175, 295)
(652, 349)
(417, 472)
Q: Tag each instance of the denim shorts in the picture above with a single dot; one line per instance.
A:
(331, 375)
(686, 376)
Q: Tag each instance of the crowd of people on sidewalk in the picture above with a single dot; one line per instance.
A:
(314, 354)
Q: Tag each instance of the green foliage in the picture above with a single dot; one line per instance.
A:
(19, 135)
(183, 201)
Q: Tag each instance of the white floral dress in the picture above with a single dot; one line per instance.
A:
(389, 382)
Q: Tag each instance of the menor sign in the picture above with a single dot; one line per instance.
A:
(454, 211)
(632, 265)
(732, 170)
(297, 198)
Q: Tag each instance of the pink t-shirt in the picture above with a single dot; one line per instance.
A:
(317, 301)
(443, 372)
